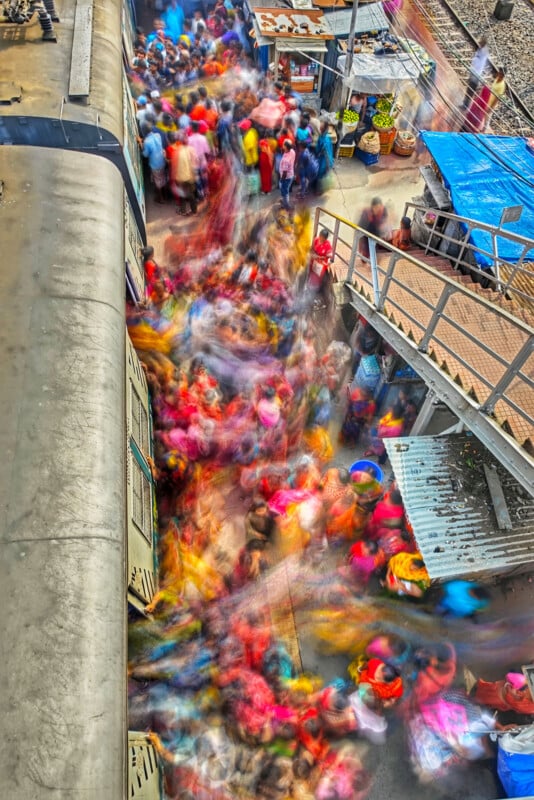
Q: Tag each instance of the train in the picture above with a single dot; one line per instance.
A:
(78, 520)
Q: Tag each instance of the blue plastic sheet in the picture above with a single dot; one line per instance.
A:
(484, 175)
(516, 773)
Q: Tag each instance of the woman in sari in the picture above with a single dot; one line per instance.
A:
(391, 424)
(266, 165)
(325, 155)
(407, 575)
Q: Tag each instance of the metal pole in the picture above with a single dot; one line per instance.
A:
(374, 272)
(347, 70)
(352, 36)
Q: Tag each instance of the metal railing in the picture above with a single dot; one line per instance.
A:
(515, 280)
(477, 356)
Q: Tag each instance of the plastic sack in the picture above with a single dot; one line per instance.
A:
(370, 143)
(515, 763)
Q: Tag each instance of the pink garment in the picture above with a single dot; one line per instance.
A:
(476, 113)
(201, 147)
(287, 164)
(281, 499)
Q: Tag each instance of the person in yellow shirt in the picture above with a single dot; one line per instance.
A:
(498, 89)
(250, 142)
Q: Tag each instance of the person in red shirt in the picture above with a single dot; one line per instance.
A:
(319, 261)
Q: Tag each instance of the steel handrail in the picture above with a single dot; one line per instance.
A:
(483, 226)
(494, 231)
(384, 279)
(407, 256)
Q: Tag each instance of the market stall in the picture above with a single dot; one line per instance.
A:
(296, 45)
(497, 172)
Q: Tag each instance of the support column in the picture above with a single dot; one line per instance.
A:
(425, 414)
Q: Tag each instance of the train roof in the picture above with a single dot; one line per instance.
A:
(62, 484)
(44, 74)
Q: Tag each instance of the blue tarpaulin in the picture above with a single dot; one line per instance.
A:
(485, 174)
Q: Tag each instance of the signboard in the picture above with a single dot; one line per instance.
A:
(291, 23)
(511, 214)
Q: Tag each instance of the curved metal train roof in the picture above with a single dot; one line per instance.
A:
(42, 69)
(62, 498)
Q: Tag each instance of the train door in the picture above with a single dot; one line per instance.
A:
(135, 274)
(143, 768)
(141, 510)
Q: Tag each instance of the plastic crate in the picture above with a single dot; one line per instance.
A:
(367, 158)
(387, 137)
(368, 373)
(346, 150)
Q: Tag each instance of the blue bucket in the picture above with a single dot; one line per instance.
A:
(363, 466)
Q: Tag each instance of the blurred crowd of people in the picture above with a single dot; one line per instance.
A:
(257, 521)
(199, 99)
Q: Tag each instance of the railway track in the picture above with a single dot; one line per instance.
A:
(458, 44)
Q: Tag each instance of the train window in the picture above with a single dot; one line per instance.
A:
(142, 499)
(135, 274)
(139, 421)
(132, 153)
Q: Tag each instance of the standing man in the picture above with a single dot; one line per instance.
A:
(183, 176)
(173, 17)
(476, 70)
(374, 220)
(287, 172)
(154, 152)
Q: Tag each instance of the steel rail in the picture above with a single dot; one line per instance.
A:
(463, 27)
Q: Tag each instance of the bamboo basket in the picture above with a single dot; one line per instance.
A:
(404, 144)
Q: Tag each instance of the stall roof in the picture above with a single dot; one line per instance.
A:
(370, 17)
(485, 174)
(380, 74)
(292, 23)
(449, 506)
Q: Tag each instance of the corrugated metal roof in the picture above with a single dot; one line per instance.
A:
(448, 504)
(370, 17)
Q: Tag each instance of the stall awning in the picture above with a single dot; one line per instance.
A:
(303, 45)
(369, 18)
(380, 74)
(496, 172)
(454, 514)
(297, 44)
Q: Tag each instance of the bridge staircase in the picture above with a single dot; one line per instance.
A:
(471, 342)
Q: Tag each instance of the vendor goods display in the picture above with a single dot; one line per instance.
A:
(367, 158)
(346, 150)
(383, 122)
(349, 117)
(370, 143)
(383, 105)
(404, 144)
(387, 139)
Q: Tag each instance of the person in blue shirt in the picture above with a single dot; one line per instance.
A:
(462, 599)
(154, 152)
(173, 17)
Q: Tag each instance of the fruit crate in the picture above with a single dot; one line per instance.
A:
(367, 158)
(387, 140)
(346, 150)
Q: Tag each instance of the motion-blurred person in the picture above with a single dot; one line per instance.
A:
(374, 219)
(287, 172)
(462, 599)
(476, 70)
(407, 575)
(497, 92)
(510, 694)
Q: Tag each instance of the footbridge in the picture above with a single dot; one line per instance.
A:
(474, 353)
